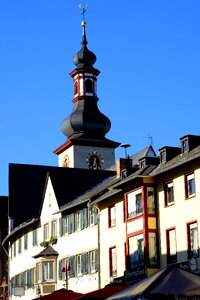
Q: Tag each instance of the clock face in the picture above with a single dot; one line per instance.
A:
(65, 162)
(94, 160)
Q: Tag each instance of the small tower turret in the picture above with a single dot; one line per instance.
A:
(86, 126)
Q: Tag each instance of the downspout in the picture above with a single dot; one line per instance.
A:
(99, 260)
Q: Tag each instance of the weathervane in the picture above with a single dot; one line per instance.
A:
(83, 6)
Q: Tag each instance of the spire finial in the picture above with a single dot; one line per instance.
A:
(83, 6)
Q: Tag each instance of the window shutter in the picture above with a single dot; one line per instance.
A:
(95, 215)
(60, 227)
(29, 278)
(71, 264)
(85, 218)
(82, 218)
(84, 263)
(96, 260)
(71, 229)
(60, 269)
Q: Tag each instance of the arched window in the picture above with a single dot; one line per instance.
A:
(75, 87)
(89, 86)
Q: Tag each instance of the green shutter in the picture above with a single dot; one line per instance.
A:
(29, 278)
(71, 229)
(71, 264)
(84, 263)
(60, 227)
(95, 215)
(82, 219)
(96, 260)
(60, 269)
(85, 218)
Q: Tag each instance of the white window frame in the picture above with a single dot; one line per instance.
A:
(78, 265)
(66, 224)
(190, 178)
(112, 216)
(54, 228)
(91, 216)
(193, 240)
(169, 193)
(113, 261)
(78, 220)
(92, 261)
(48, 270)
(132, 210)
(152, 248)
(46, 231)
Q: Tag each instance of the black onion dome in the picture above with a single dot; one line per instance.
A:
(87, 120)
(84, 57)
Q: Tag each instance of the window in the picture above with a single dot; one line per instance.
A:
(113, 262)
(134, 203)
(185, 146)
(112, 216)
(93, 261)
(75, 87)
(142, 164)
(152, 248)
(78, 220)
(39, 272)
(93, 215)
(54, 229)
(190, 185)
(150, 200)
(35, 237)
(193, 242)
(163, 157)
(78, 265)
(46, 232)
(26, 241)
(89, 86)
(171, 246)
(169, 194)
(48, 270)
(66, 224)
(20, 245)
(136, 252)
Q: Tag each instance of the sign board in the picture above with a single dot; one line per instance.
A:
(18, 291)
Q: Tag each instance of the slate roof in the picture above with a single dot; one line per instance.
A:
(27, 185)
(48, 251)
(146, 152)
(104, 189)
(177, 161)
(93, 193)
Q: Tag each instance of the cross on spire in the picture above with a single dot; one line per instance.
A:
(83, 6)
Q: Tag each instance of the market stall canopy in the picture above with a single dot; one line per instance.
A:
(61, 294)
(169, 283)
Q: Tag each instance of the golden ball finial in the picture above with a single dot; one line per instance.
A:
(83, 23)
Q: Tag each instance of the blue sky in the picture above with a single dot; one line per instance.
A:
(148, 52)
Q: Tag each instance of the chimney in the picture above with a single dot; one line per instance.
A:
(123, 164)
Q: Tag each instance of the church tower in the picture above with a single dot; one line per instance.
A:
(85, 128)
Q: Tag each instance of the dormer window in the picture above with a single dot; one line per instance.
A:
(142, 164)
(185, 146)
(163, 157)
